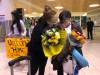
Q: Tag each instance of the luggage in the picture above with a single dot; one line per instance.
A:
(17, 60)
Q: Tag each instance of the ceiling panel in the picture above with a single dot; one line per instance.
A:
(72, 5)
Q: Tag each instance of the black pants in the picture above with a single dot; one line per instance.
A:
(35, 66)
(57, 66)
(90, 34)
(60, 70)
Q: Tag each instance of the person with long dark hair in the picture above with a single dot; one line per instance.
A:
(17, 27)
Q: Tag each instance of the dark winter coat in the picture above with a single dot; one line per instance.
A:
(35, 49)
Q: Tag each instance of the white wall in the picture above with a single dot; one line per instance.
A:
(6, 7)
(94, 12)
(78, 13)
(95, 15)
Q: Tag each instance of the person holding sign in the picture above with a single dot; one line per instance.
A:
(17, 27)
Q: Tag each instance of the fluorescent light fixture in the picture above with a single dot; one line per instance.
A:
(59, 7)
(85, 14)
(94, 5)
(50, 0)
(41, 14)
(34, 12)
(27, 15)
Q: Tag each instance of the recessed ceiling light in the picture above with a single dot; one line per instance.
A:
(25, 9)
(94, 5)
(59, 7)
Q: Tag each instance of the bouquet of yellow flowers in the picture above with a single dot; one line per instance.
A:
(53, 41)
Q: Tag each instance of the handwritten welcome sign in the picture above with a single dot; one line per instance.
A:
(16, 47)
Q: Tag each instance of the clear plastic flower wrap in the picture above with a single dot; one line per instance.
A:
(53, 41)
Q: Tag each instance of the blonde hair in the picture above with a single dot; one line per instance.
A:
(48, 13)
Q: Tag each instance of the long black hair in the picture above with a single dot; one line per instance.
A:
(16, 20)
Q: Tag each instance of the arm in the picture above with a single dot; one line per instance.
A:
(23, 27)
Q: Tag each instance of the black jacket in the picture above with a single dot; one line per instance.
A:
(90, 25)
(35, 46)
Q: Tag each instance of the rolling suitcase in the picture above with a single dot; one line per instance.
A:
(14, 61)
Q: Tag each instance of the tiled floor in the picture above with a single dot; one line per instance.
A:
(91, 51)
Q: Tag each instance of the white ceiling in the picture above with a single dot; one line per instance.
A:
(72, 5)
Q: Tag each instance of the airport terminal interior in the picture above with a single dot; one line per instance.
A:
(31, 11)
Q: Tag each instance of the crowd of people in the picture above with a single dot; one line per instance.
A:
(34, 30)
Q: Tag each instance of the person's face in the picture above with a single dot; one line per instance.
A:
(89, 19)
(54, 19)
(67, 22)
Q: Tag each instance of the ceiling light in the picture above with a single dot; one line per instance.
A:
(50, 0)
(34, 12)
(85, 14)
(94, 5)
(25, 9)
(41, 14)
(59, 7)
